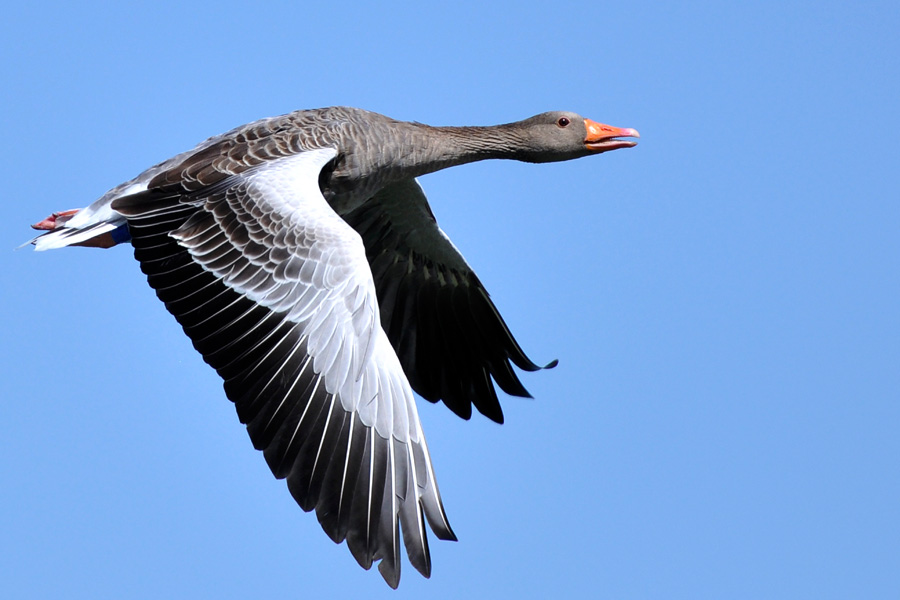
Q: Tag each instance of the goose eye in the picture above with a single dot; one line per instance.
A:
(563, 121)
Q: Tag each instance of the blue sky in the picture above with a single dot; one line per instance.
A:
(723, 300)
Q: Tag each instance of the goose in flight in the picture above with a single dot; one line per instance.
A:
(300, 256)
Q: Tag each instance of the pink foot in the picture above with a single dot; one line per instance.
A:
(57, 219)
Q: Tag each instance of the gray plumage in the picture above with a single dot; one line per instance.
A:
(301, 257)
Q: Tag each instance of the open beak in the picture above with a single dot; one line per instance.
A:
(602, 138)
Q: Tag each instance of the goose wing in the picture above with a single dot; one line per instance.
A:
(274, 290)
(449, 336)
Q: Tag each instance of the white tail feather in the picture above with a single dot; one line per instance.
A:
(66, 236)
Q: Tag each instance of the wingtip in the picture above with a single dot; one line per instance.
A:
(390, 573)
(442, 529)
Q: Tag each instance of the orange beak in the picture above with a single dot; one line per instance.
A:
(602, 138)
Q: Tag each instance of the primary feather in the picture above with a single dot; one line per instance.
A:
(301, 257)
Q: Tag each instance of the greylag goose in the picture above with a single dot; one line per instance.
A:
(301, 257)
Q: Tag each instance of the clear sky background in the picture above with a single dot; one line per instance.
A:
(724, 300)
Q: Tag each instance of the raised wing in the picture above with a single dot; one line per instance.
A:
(274, 290)
(449, 336)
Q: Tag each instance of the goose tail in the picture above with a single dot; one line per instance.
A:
(69, 228)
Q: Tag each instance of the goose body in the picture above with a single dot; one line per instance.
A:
(301, 257)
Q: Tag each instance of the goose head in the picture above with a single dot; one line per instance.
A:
(560, 135)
